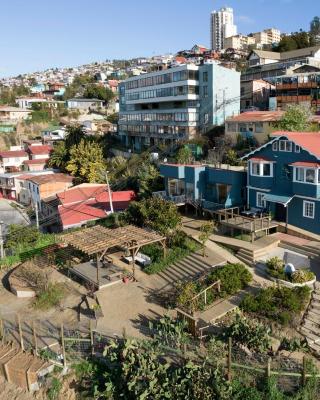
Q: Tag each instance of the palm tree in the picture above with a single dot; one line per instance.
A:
(74, 135)
(59, 156)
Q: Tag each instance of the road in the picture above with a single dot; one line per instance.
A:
(11, 215)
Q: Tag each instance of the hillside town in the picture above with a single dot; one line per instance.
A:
(160, 222)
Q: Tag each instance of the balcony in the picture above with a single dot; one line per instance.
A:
(178, 199)
(293, 99)
(296, 85)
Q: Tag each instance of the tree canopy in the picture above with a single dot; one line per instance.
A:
(86, 162)
(94, 91)
(156, 213)
(295, 41)
(296, 118)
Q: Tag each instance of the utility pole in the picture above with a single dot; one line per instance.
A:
(110, 194)
(224, 105)
(1, 239)
(37, 213)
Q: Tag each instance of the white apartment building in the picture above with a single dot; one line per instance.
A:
(222, 27)
(267, 37)
(238, 42)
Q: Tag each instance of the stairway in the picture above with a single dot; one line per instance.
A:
(186, 269)
(310, 327)
(310, 249)
(250, 256)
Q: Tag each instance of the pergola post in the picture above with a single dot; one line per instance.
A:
(98, 269)
(134, 252)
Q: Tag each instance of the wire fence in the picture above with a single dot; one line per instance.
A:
(66, 345)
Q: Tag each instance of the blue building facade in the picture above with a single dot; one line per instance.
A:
(284, 178)
(212, 186)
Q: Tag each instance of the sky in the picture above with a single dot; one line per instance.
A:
(40, 34)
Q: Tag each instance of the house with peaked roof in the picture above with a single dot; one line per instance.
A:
(84, 203)
(284, 178)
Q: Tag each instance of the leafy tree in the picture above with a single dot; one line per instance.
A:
(17, 236)
(295, 119)
(156, 213)
(297, 40)
(206, 230)
(184, 155)
(74, 135)
(8, 95)
(59, 156)
(94, 91)
(148, 179)
(86, 162)
(113, 118)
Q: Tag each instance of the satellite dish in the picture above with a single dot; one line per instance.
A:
(289, 269)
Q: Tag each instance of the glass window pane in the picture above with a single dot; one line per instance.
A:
(310, 175)
(266, 169)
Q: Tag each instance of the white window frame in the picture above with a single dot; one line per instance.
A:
(260, 201)
(297, 148)
(261, 164)
(275, 146)
(287, 146)
(306, 204)
(316, 175)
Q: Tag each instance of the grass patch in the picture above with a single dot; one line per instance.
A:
(181, 247)
(279, 304)
(49, 297)
(22, 252)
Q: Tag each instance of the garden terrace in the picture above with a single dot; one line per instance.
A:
(98, 241)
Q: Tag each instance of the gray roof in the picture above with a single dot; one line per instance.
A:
(84, 100)
(286, 55)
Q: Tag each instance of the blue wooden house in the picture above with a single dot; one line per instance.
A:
(214, 187)
(284, 177)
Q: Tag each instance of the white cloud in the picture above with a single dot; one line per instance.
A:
(245, 19)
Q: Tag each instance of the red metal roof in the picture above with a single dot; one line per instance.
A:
(305, 164)
(38, 161)
(309, 141)
(257, 116)
(260, 159)
(43, 149)
(13, 153)
(79, 212)
(42, 179)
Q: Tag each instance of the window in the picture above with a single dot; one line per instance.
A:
(205, 91)
(300, 174)
(285, 145)
(308, 209)
(261, 203)
(275, 146)
(307, 175)
(266, 169)
(310, 175)
(205, 77)
(259, 127)
(261, 169)
(255, 168)
(297, 149)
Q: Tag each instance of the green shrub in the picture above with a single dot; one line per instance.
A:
(281, 304)
(49, 297)
(252, 334)
(275, 267)
(233, 277)
(302, 276)
(55, 389)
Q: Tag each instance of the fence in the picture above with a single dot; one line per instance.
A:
(67, 344)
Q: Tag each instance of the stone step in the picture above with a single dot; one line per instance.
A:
(246, 252)
(197, 261)
(313, 317)
(315, 296)
(189, 267)
(314, 309)
(315, 347)
(245, 260)
(298, 249)
(312, 326)
(309, 335)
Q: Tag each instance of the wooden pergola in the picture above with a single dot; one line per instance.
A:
(98, 240)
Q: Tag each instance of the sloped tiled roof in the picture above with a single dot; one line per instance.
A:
(257, 116)
(309, 141)
(13, 153)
